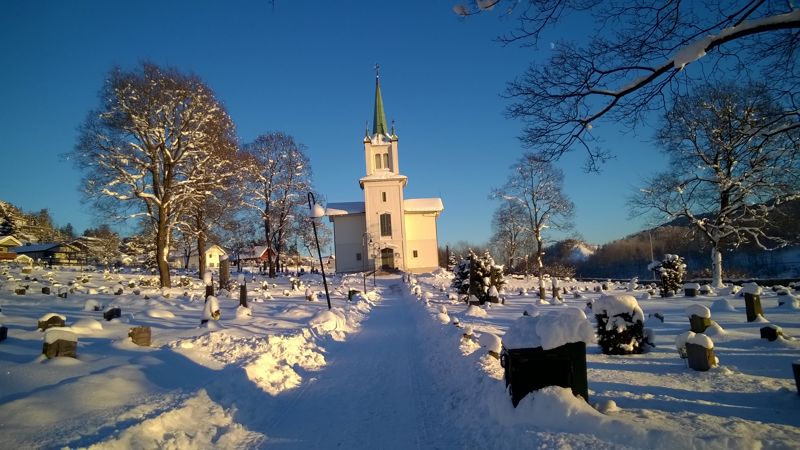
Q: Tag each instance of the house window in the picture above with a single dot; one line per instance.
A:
(358, 256)
(416, 254)
(377, 161)
(383, 194)
(386, 224)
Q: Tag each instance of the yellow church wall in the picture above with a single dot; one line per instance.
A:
(421, 236)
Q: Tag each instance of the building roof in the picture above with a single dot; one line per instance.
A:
(423, 205)
(10, 240)
(344, 208)
(35, 247)
(379, 117)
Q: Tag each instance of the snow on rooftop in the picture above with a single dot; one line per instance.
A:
(423, 205)
(344, 208)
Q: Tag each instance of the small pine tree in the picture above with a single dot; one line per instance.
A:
(461, 281)
(452, 262)
(673, 271)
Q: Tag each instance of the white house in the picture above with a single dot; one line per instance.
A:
(212, 255)
(386, 230)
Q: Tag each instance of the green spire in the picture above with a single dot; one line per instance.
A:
(379, 118)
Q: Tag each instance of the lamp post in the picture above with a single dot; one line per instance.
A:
(366, 240)
(318, 212)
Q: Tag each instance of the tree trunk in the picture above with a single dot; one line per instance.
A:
(199, 218)
(540, 264)
(201, 254)
(162, 250)
(716, 268)
(270, 264)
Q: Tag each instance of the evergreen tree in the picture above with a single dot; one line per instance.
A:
(673, 271)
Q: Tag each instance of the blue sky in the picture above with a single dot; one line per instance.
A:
(303, 67)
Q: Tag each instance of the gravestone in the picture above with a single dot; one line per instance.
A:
(3, 333)
(699, 324)
(700, 358)
(59, 343)
(112, 313)
(771, 332)
(51, 321)
(140, 336)
(46, 290)
(752, 303)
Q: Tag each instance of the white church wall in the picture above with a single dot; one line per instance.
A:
(348, 234)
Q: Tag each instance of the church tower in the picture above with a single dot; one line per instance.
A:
(383, 189)
(386, 231)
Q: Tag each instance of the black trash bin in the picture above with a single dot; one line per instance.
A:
(530, 369)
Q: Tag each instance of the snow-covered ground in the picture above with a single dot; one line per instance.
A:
(386, 371)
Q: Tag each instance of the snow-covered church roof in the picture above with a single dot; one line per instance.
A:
(344, 208)
(423, 205)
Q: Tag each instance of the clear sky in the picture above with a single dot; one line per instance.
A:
(303, 67)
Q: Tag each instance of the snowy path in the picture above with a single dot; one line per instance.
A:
(374, 393)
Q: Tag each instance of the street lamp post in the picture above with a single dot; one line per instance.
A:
(366, 239)
(318, 212)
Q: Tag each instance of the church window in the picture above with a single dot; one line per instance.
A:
(383, 194)
(386, 224)
(386, 160)
(416, 254)
(377, 161)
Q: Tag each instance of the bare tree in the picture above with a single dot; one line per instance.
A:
(511, 232)
(638, 57)
(146, 150)
(278, 177)
(537, 186)
(728, 167)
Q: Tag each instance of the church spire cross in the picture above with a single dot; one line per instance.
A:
(379, 117)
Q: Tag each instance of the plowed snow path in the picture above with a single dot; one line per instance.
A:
(374, 394)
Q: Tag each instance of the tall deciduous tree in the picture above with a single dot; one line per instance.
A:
(511, 232)
(641, 52)
(277, 179)
(538, 187)
(146, 150)
(728, 167)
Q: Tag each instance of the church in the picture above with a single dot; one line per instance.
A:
(385, 231)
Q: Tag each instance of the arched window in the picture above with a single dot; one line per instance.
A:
(377, 160)
(386, 224)
(386, 160)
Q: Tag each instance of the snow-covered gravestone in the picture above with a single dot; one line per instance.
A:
(620, 324)
(209, 283)
(210, 310)
(700, 351)
(752, 301)
(242, 291)
(51, 320)
(547, 350)
(112, 313)
(691, 289)
(60, 342)
(699, 318)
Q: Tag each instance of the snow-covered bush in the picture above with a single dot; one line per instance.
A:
(673, 271)
(620, 324)
(475, 275)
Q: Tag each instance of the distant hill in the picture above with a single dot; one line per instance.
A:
(629, 256)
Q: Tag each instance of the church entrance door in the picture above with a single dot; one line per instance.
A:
(387, 258)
